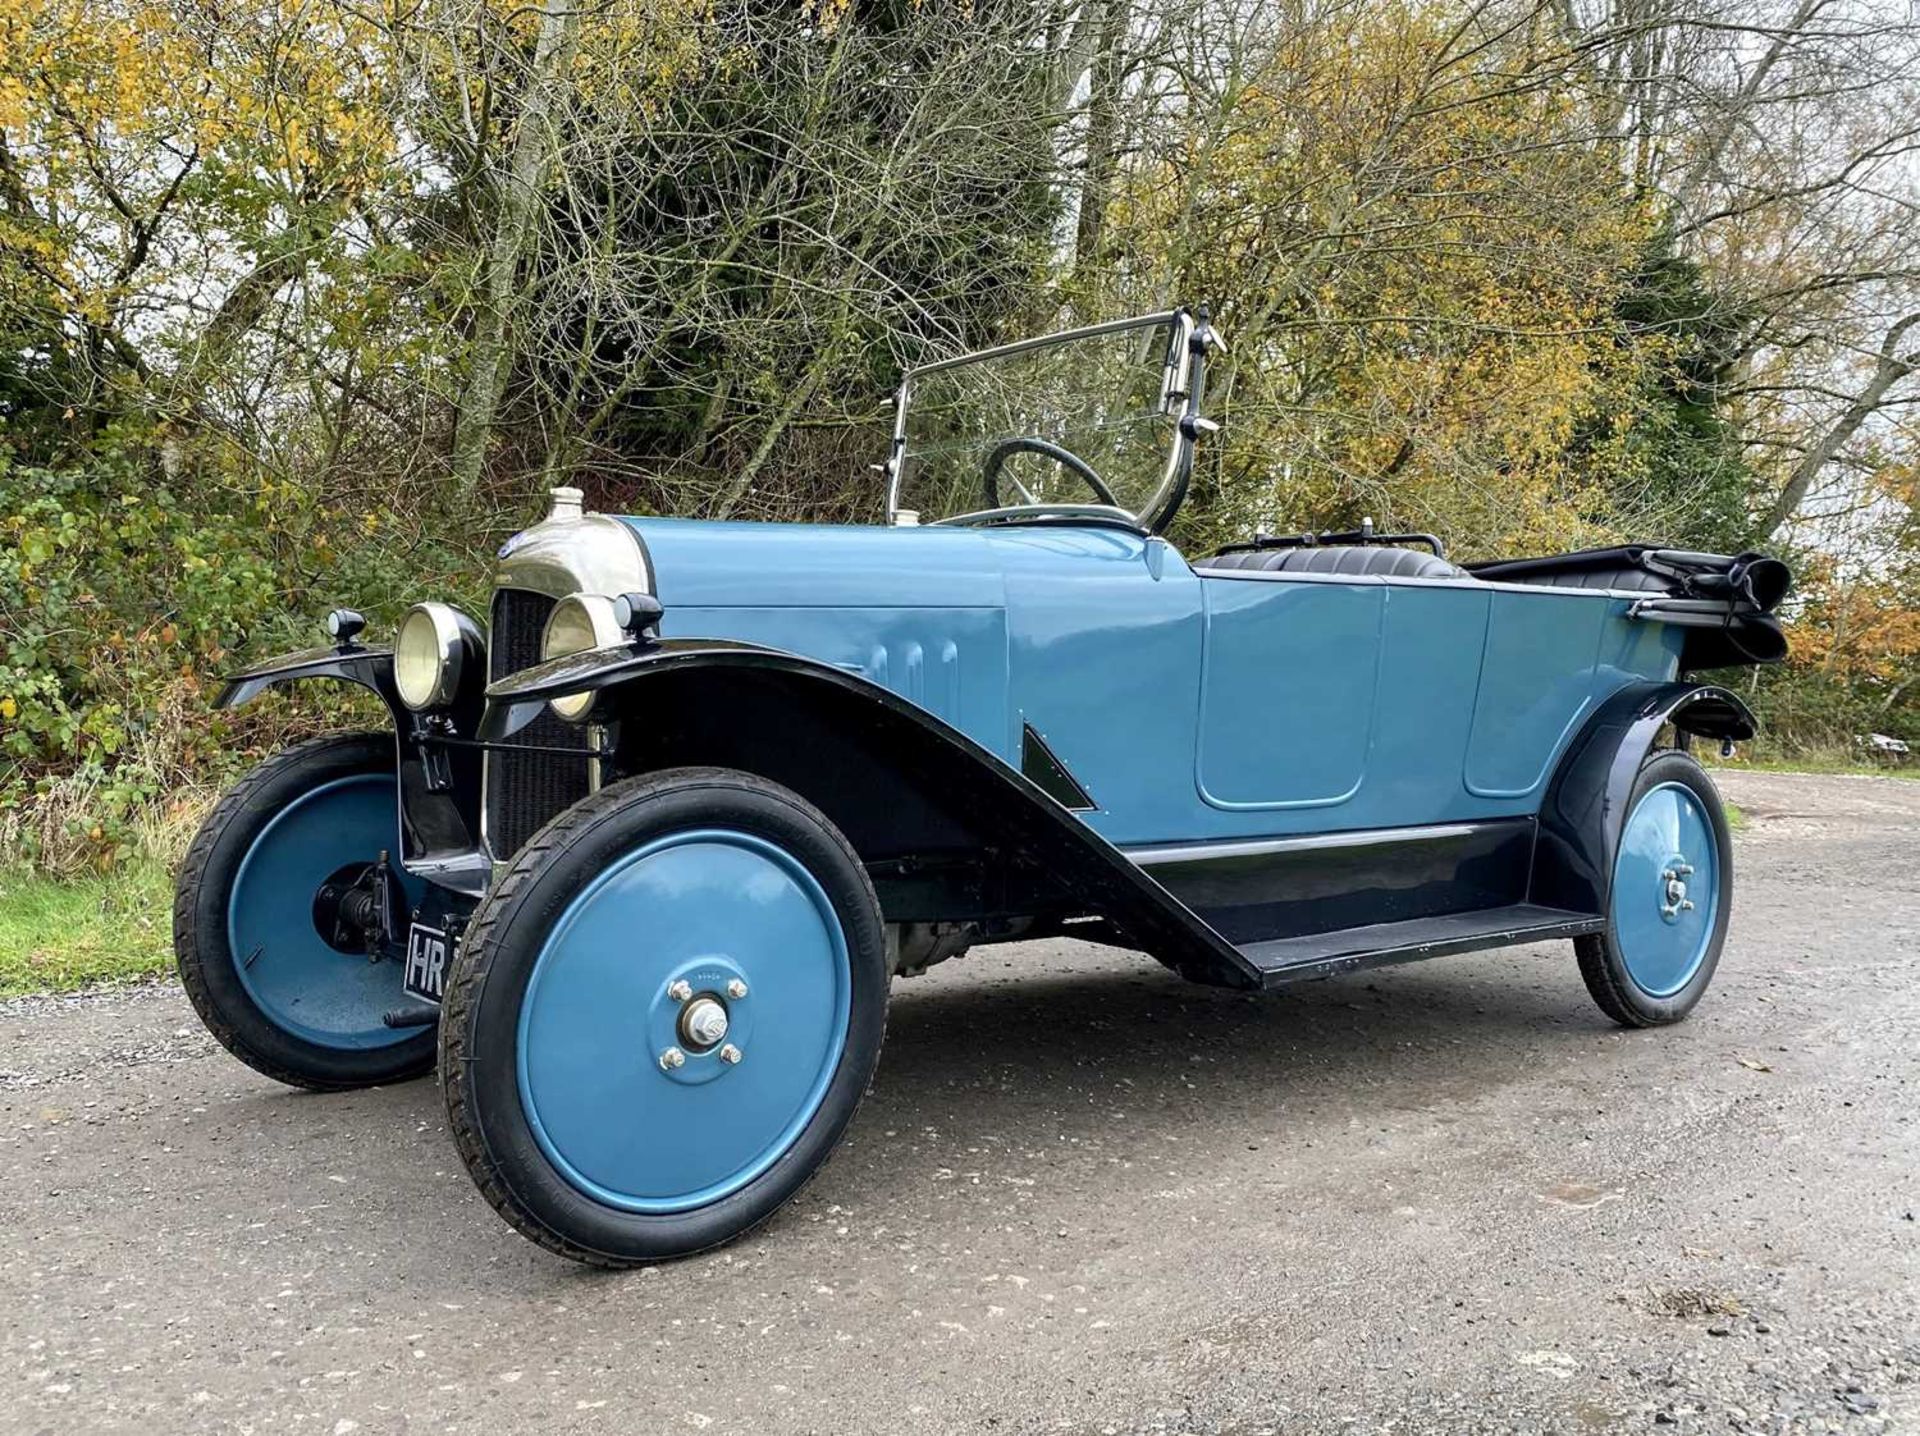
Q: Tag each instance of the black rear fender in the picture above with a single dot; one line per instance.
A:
(1586, 801)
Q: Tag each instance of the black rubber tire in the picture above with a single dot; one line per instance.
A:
(1601, 965)
(201, 950)
(480, 1021)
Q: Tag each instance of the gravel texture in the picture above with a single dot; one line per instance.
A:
(1083, 1197)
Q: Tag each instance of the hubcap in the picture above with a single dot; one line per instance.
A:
(683, 1021)
(1674, 900)
(1666, 889)
(705, 1023)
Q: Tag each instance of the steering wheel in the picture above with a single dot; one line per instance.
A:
(998, 455)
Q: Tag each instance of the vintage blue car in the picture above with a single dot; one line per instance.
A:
(642, 856)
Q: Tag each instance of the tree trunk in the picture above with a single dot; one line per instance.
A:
(517, 203)
(1103, 132)
(280, 261)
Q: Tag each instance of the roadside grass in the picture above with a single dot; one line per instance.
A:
(1762, 755)
(60, 934)
(1823, 764)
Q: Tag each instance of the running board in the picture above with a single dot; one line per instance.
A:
(1324, 954)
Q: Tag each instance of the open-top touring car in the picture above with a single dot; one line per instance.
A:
(639, 860)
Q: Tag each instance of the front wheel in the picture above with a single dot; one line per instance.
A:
(663, 1016)
(1671, 896)
(263, 970)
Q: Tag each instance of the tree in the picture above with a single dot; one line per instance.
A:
(517, 196)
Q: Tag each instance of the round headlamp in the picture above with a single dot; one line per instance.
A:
(579, 623)
(430, 654)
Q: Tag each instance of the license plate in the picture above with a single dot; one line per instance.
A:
(427, 953)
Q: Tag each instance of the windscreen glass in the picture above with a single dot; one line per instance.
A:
(1074, 420)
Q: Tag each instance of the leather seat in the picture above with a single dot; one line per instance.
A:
(1370, 560)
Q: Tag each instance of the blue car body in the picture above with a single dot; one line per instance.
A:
(1255, 774)
(1190, 705)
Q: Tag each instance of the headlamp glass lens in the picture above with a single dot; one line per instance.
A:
(571, 630)
(419, 660)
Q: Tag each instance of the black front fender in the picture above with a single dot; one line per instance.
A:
(1586, 802)
(369, 667)
(439, 784)
(516, 700)
(841, 740)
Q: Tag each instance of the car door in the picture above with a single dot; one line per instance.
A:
(1290, 680)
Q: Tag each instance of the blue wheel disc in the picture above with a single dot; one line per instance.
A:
(1666, 889)
(301, 984)
(706, 916)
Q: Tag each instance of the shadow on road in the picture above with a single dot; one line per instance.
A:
(1148, 1028)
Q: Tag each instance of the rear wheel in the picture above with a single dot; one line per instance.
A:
(264, 977)
(1671, 896)
(663, 1017)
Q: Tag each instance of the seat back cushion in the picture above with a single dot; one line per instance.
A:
(1370, 560)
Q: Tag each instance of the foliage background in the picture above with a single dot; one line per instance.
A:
(303, 303)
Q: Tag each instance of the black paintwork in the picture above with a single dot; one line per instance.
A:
(899, 783)
(1317, 955)
(439, 784)
(1256, 892)
(517, 699)
(1045, 770)
(368, 666)
(1586, 802)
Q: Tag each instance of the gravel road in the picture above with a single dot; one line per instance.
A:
(1083, 1197)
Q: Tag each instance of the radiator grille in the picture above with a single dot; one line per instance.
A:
(524, 790)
